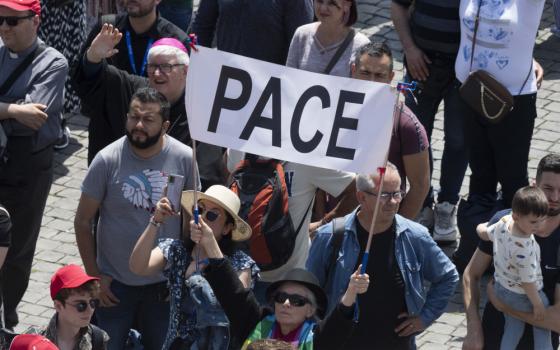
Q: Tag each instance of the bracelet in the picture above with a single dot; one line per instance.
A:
(154, 222)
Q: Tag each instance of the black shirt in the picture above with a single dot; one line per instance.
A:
(162, 28)
(385, 298)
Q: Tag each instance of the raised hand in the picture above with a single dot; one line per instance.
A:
(103, 46)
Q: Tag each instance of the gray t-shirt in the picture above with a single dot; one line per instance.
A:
(307, 53)
(128, 187)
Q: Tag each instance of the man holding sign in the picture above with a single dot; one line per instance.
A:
(402, 255)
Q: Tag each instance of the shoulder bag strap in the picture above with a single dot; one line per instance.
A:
(336, 239)
(340, 51)
(476, 22)
(20, 69)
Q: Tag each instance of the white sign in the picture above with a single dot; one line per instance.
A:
(286, 113)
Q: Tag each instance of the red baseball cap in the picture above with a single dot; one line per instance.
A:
(32, 342)
(69, 276)
(23, 5)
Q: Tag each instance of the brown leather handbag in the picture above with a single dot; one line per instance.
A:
(483, 93)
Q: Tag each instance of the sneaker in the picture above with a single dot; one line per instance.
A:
(445, 222)
(426, 218)
(64, 140)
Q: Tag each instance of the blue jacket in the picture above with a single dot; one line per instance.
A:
(418, 256)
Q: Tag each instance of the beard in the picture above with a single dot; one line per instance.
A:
(147, 143)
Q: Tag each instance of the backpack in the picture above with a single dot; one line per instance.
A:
(261, 187)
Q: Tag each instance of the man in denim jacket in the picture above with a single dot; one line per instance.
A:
(402, 255)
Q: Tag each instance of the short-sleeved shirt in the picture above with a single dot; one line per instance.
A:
(435, 25)
(307, 53)
(409, 137)
(302, 182)
(128, 187)
(516, 259)
(504, 41)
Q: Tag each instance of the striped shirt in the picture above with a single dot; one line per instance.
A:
(435, 25)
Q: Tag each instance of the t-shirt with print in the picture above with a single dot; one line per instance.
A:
(409, 137)
(307, 53)
(128, 187)
(302, 182)
(504, 41)
(516, 259)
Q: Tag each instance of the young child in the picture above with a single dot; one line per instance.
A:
(75, 296)
(518, 276)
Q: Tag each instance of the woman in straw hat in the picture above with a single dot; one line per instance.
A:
(197, 320)
(298, 303)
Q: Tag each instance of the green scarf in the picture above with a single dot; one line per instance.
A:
(264, 329)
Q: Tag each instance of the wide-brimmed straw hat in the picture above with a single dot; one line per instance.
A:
(226, 199)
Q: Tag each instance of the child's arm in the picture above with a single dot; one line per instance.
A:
(533, 295)
(482, 230)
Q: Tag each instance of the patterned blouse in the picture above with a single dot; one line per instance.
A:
(187, 296)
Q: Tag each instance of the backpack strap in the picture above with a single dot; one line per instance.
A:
(21, 68)
(96, 338)
(337, 237)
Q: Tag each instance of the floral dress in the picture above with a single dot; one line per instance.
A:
(196, 315)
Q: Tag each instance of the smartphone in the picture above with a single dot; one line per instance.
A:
(174, 190)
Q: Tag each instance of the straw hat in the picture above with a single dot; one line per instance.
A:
(225, 198)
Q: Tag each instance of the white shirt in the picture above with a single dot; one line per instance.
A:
(504, 41)
(516, 259)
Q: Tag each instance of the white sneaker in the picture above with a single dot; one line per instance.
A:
(445, 222)
(426, 218)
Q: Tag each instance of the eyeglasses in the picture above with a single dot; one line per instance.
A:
(295, 299)
(82, 305)
(164, 68)
(13, 21)
(209, 215)
(385, 196)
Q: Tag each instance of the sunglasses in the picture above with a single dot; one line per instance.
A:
(13, 21)
(295, 299)
(82, 305)
(209, 215)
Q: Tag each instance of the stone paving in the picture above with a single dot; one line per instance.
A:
(56, 245)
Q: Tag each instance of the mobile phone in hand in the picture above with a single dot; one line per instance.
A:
(174, 190)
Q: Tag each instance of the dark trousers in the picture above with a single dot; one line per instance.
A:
(499, 153)
(25, 182)
(441, 86)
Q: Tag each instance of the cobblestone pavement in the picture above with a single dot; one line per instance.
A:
(56, 245)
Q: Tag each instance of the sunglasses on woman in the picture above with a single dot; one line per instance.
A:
(82, 305)
(295, 299)
(209, 215)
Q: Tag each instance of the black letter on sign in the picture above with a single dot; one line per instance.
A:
(343, 123)
(299, 144)
(223, 102)
(256, 118)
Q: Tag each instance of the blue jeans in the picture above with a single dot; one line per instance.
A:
(144, 307)
(513, 327)
(439, 86)
(178, 15)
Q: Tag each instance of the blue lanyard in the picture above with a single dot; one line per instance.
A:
(131, 55)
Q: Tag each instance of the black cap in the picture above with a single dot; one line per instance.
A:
(307, 279)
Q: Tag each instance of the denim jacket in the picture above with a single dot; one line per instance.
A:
(418, 257)
(196, 316)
